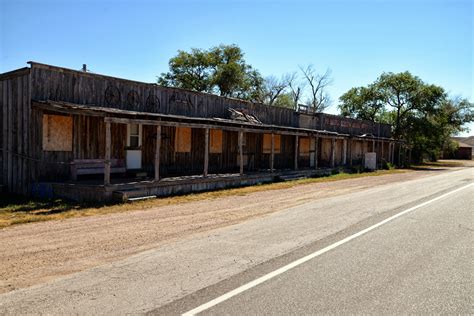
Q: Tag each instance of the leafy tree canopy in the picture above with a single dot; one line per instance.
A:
(421, 114)
(223, 70)
(220, 70)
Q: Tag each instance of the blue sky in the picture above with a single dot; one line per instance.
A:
(357, 40)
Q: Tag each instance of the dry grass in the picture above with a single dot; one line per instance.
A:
(19, 210)
(443, 164)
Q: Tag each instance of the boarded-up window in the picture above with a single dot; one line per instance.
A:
(304, 146)
(267, 143)
(57, 133)
(215, 141)
(183, 140)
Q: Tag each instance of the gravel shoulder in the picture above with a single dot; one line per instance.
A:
(39, 252)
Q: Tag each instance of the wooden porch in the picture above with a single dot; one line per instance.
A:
(180, 154)
(128, 189)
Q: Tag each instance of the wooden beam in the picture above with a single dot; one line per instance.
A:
(389, 157)
(263, 129)
(206, 151)
(381, 153)
(157, 153)
(350, 151)
(296, 151)
(316, 141)
(344, 152)
(333, 152)
(107, 154)
(241, 152)
(393, 152)
(272, 154)
(400, 155)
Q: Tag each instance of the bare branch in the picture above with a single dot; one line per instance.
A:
(319, 99)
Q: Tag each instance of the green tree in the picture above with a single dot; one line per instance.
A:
(365, 103)
(284, 100)
(420, 113)
(193, 71)
(220, 70)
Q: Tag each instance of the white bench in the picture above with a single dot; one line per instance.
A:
(95, 166)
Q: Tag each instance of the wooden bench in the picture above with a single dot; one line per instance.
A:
(95, 166)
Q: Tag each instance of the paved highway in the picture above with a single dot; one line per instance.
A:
(414, 255)
(420, 262)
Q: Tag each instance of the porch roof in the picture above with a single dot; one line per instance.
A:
(127, 116)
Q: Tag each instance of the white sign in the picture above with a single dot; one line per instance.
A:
(370, 161)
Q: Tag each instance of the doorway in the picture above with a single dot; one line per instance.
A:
(134, 146)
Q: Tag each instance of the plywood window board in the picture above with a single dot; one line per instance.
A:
(57, 133)
(304, 146)
(267, 143)
(183, 140)
(215, 142)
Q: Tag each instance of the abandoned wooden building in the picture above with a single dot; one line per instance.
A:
(86, 136)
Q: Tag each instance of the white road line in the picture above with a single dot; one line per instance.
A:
(300, 261)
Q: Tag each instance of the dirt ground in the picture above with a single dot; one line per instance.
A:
(34, 253)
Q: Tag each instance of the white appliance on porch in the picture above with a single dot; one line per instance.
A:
(134, 143)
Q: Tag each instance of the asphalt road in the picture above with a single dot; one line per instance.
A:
(418, 262)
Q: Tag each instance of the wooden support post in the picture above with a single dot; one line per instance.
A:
(157, 153)
(389, 158)
(316, 141)
(364, 150)
(333, 152)
(206, 151)
(296, 151)
(393, 153)
(107, 154)
(375, 150)
(241, 152)
(272, 153)
(381, 153)
(350, 152)
(400, 155)
(344, 152)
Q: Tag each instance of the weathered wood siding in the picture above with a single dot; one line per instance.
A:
(60, 84)
(15, 128)
(343, 125)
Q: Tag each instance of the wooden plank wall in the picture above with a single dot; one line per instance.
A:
(325, 152)
(343, 125)
(84, 88)
(15, 128)
(88, 143)
(175, 163)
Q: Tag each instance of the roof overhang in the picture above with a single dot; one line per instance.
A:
(121, 116)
